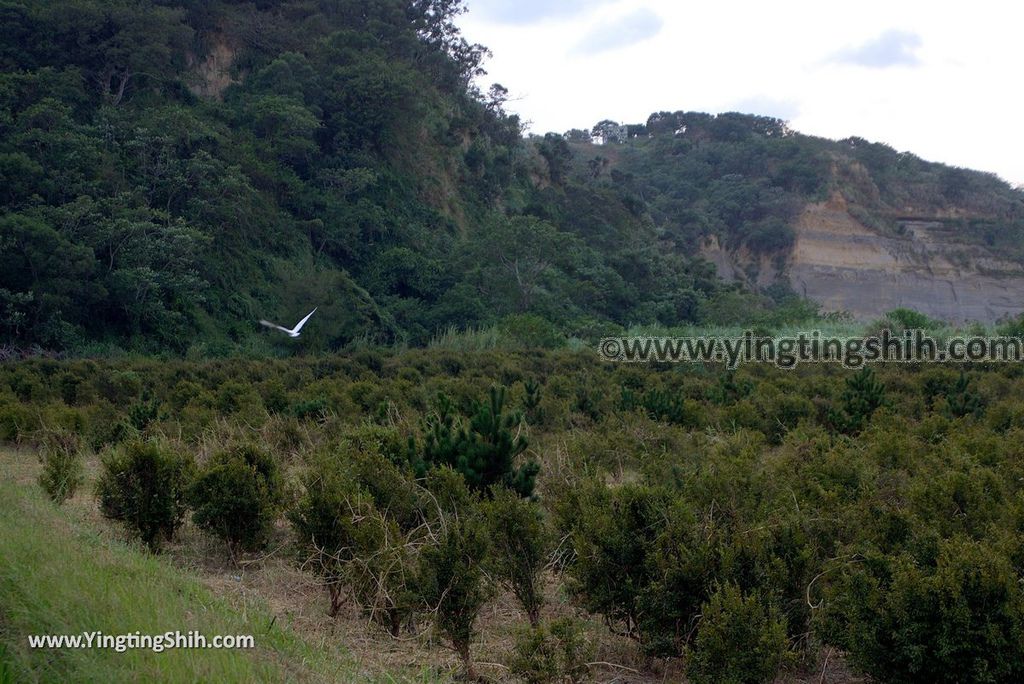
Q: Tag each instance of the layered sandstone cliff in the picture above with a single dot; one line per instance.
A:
(924, 265)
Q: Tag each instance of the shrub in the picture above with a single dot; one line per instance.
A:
(390, 489)
(531, 331)
(143, 411)
(963, 400)
(325, 521)
(660, 405)
(71, 387)
(238, 497)
(274, 395)
(448, 494)
(452, 581)
(62, 465)
(908, 319)
(107, 426)
(729, 390)
(740, 640)
(143, 484)
(382, 571)
(613, 530)
(556, 652)
(354, 522)
(957, 619)
(305, 409)
(118, 387)
(531, 402)
(520, 546)
(1011, 327)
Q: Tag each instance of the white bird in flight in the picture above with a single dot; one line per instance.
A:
(294, 332)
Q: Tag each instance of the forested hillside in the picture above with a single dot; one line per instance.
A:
(173, 170)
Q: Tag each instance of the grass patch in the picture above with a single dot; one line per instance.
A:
(59, 577)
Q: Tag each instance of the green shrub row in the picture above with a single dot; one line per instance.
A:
(741, 521)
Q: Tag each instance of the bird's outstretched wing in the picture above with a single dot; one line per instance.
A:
(275, 326)
(303, 321)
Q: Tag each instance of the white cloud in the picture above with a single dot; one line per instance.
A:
(765, 105)
(530, 11)
(959, 103)
(891, 48)
(620, 32)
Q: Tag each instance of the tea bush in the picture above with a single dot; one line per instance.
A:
(688, 508)
(143, 484)
(554, 652)
(520, 546)
(325, 520)
(62, 471)
(954, 615)
(238, 497)
(740, 640)
(452, 582)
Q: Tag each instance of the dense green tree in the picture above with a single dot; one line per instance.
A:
(192, 166)
(740, 640)
(957, 618)
(482, 446)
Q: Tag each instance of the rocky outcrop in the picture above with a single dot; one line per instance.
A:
(212, 73)
(845, 266)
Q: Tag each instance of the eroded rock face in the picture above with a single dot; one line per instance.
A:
(846, 266)
(212, 73)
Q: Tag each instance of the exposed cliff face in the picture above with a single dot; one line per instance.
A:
(846, 266)
(212, 73)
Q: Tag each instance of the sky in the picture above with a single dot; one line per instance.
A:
(940, 79)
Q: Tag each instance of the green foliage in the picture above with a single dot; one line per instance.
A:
(389, 486)
(659, 405)
(1013, 327)
(143, 484)
(908, 319)
(143, 412)
(308, 408)
(238, 496)
(613, 531)
(345, 156)
(897, 544)
(531, 401)
(962, 400)
(358, 522)
(530, 331)
(325, 523)
(482, 446)
(958, 617)
(520, 548)
(740, 640)
(16, 419)
(552, 652)
(383, 572)
(861, 397)
(452, 582)
(62, 472)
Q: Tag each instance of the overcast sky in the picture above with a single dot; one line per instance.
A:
(940, 79)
